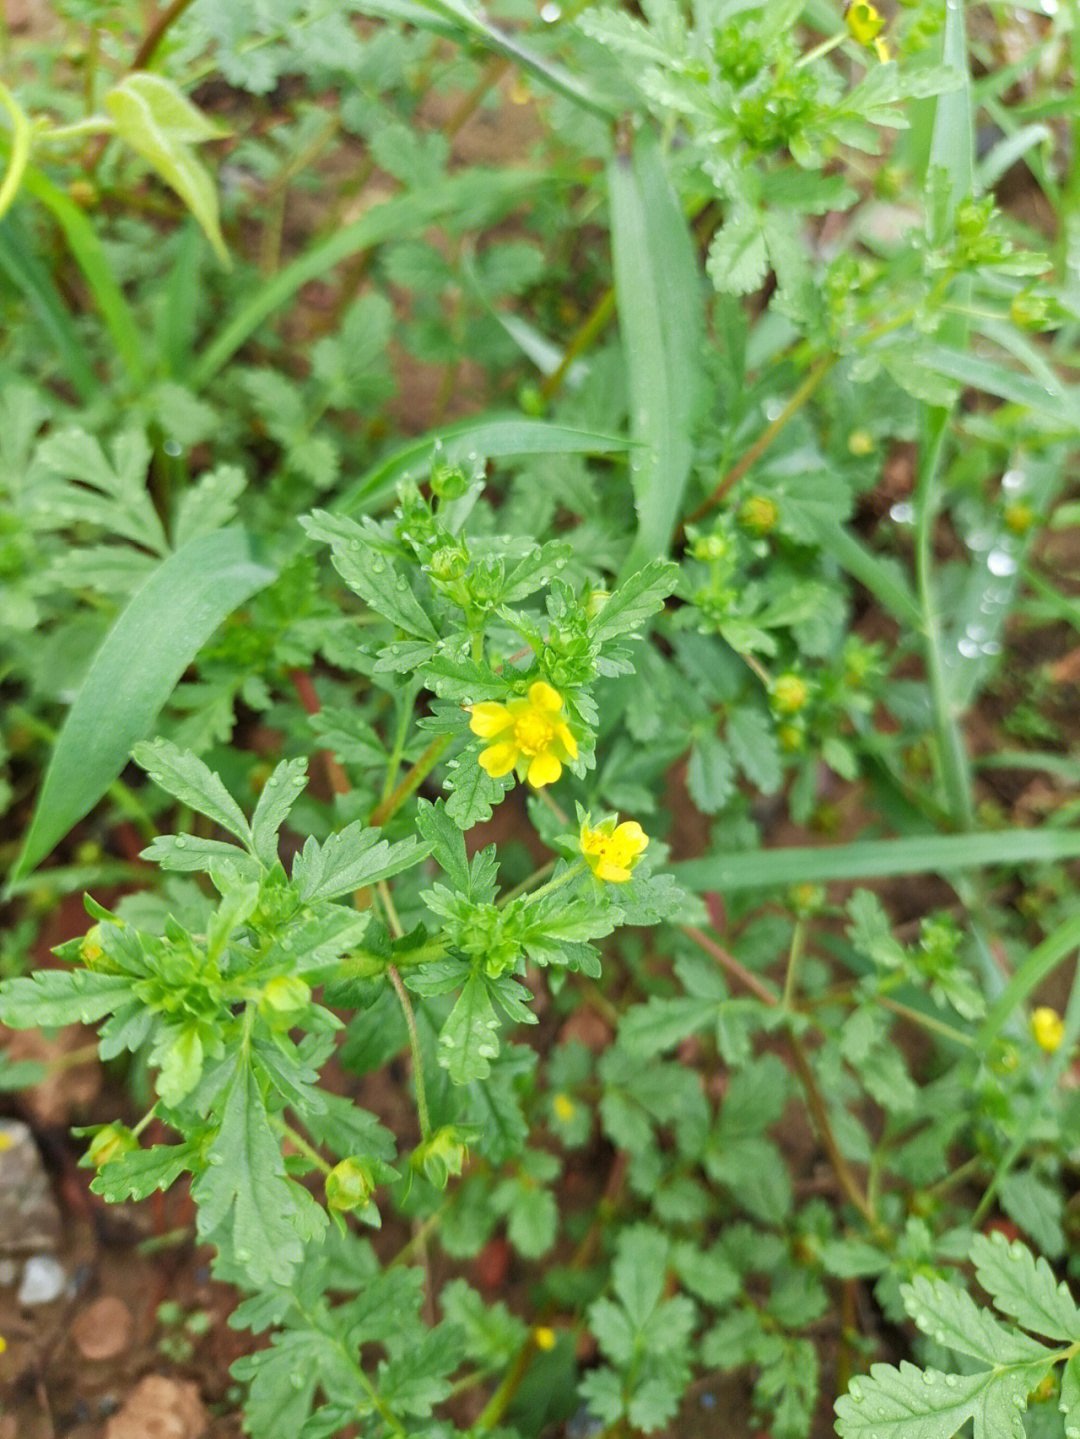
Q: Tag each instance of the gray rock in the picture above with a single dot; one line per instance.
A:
(29, 1218)
(44, 1279)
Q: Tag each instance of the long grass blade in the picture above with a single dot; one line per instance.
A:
(165, 624)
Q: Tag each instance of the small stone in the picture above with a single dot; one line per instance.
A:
(103, 1329)
(160, 1408)
(44, 1279)
(29, 1219)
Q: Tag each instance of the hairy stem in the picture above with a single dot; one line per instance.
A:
(417, 1057)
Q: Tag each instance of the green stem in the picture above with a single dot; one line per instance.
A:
(526, 884)
(511, 1383)
(817, 373)
(578, 867)
(20, 148)
(795, 954)
(412, 780)
(157, 32)
(296, 1138)
(417, 1057)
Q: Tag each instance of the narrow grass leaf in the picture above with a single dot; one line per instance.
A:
(495, 437)
(27, 274)
(871, 859)
(658, 294)
(89, 254)
(162, 629)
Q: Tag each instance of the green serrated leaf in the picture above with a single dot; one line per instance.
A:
(468, 1041)
(371, 574)
(710, 774)
(753, 747)
(58, 996)
(187, 778)
(902, 1404)
(954, 1319)
(1025, 1287)
(351, 859)
(244, 1188)
(279, 794)
(637, 597)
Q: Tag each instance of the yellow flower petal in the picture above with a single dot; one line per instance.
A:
(498, 759)
(544, 697)
(489, 719)
(544, 769)
(631, 834)
(567, 740)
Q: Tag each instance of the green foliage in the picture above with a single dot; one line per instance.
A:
(746, 561)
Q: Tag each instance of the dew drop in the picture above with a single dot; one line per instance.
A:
(1013, 480)
(991, 647)
(1015, 1254)
(1071, 1432)
(977, 632)
(1001, 563)
(172, 447)
(181, 841)
(929, 1377)
(902, 513)
(296, 1380)
(968, 648)
(773, 409)
(950, 1380)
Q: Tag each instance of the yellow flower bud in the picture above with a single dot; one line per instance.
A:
(789, 694)
(564, 1107)
(110, 1143)
(759, 514)
(349, 1185)
(1018, 517)
(543, 1337)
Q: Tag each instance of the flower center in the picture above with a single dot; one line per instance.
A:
(533, 733)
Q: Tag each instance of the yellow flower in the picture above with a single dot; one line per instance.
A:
(611, 851)
(530, 734)
(1048, 1028)
(865, 24)
(543, 1337)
